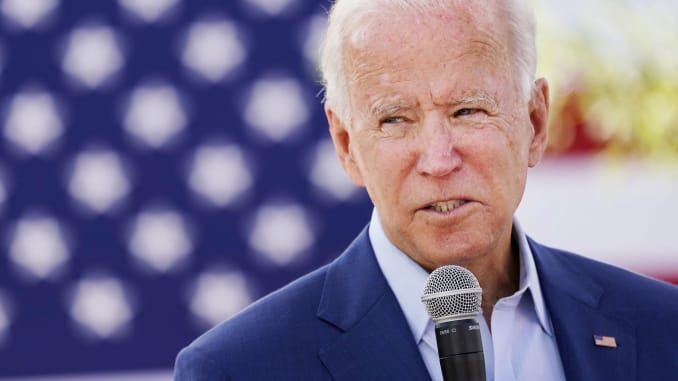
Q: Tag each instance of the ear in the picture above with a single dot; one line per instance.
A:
(342, 145)
(539, 118)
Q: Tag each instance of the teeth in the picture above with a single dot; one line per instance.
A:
(444, 207)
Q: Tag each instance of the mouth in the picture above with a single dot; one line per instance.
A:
(446, 206)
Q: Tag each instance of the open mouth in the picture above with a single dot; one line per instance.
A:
(446, 206)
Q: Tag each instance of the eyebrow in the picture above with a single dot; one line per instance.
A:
(480, 97)
(389, 107)
(386, 108)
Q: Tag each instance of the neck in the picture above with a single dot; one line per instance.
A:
(498, 275)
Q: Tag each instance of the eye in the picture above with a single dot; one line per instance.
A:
(467, 112)
(392, 120)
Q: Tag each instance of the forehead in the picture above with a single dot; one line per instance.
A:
(428, 47)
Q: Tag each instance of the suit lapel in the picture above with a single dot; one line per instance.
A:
(577, 314)
(375, 341)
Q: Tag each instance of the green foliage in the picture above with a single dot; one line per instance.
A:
(620, 64)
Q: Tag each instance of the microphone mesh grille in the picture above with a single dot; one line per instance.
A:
(457, 279)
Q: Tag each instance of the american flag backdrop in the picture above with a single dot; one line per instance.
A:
(162, 164)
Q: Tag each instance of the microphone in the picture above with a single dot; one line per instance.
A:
(452, 298)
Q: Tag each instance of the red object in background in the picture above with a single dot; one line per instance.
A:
(671, 279)
(571, 133)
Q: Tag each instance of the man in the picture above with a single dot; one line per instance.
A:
(433, 108)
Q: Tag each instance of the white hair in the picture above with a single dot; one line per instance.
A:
(349, 20)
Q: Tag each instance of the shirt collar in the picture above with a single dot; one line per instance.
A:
(529, 278)
(407, 279)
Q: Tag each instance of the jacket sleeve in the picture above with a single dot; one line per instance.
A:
(192, 364)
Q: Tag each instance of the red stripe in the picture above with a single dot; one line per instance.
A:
(669, 278)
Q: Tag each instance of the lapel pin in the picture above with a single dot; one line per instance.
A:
(605, 341)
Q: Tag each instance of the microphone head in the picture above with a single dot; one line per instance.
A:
(452, 293)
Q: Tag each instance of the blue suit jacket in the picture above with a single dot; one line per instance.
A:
(342, 322)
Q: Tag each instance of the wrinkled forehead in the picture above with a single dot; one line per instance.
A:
(474, 27)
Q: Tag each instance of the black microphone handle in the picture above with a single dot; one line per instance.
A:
(460, 349)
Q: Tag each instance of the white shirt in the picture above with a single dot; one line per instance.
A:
(521, 345)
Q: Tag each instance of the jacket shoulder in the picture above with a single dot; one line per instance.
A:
(272, 335)
(625, 292)
(193, 364)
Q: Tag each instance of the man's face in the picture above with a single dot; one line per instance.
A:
(439, 134)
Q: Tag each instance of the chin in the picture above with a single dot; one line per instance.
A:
(432, 258)
(456, 252)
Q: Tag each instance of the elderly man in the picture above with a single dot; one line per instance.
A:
(433, 108)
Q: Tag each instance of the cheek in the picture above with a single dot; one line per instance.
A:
(511, 172)
(511, 142)
(385, 164)
(500, 157)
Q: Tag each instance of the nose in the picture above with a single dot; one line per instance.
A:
(438, 156)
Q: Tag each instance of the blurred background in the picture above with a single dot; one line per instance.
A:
(163, 163)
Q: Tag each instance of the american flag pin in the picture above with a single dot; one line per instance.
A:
(605, 341)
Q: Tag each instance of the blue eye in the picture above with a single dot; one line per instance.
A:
(466, 112)
(392, 120)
